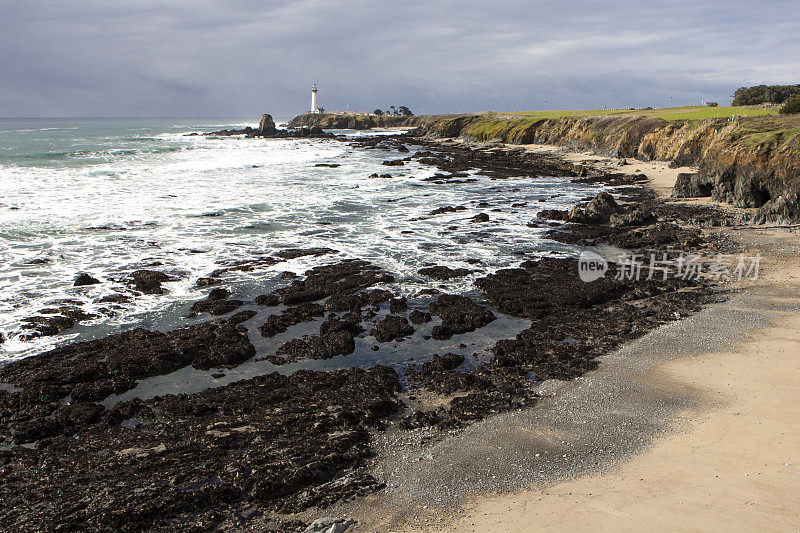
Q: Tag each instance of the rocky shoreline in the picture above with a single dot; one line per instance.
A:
(254, 452)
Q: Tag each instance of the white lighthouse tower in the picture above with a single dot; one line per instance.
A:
(314, 107)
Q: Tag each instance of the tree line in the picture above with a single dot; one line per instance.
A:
(764, 94)
(395, 111)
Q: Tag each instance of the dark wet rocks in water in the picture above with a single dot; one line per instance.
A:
(573, 321)
(93, 370)
(271, 443)
(392, 328)
(323, 346)
(398, 305)
(289, 317)
(217, 303)
(447, 209)
(419, 317)
(84, 279)
(597, 211)
(149, 281)
(459, 314)
(341, 278)
(241, 316)
(44, 326)
(443, 273)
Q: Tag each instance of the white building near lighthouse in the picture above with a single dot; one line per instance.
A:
(314, 106)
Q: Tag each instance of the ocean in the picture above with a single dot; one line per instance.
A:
(110, 196)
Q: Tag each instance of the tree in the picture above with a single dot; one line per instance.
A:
(764, 94)
(377, 112)
(321, 110)
(406, 111)
(392, 110)
(791, 106)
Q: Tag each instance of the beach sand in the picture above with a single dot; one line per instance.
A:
(732, 464)
(735, 468)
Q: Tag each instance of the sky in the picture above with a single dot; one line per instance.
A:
(241, 58)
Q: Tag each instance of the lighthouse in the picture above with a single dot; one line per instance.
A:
(314, 108)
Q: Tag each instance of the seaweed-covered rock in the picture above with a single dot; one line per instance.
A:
(459, 314)
(443, 273)
(392, 328)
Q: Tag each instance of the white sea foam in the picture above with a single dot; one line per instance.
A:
(152, 207)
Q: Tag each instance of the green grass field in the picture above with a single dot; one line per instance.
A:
(668, 113)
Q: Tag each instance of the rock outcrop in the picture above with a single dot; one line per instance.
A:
(266, 126)
(748, 162)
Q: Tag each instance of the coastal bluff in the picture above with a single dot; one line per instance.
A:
(751, 162)
(348, 121)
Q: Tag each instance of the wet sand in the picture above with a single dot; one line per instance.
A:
(730, 464)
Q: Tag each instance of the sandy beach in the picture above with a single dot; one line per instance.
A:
(731, 461)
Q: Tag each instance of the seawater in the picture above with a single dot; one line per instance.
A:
(109, 196)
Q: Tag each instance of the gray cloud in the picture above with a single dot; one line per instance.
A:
(241, 58)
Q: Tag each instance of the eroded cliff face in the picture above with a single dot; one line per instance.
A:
(748, 162)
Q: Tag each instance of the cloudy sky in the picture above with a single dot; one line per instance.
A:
(239, 58)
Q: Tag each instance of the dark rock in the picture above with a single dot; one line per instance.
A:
(323, 346)
(294, 253)
(459, 314)
(418, 317)
(85, 279)
(600, 208)
(421, 419)
(149, 281)
(219, 294)
(480, 217)
(392, 328)
(266, 125)
(637, 217)
(289, 317)
(241, 316)
(443, 273)
(692, 186)
(114, 298)
(478, 405)
(394, 163)
(553, 214)
(397, 305)
(345, 277)
(279, 443)
(350, 322)
(446, 209)
(216, 307)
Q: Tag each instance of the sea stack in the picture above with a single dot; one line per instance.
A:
(267, 125)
